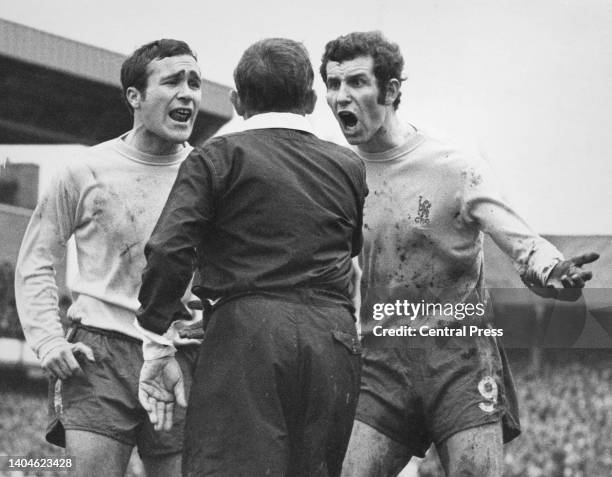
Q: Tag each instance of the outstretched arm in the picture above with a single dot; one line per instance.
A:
(541, 266)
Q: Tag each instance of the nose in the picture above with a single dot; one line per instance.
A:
(187, 93)
(344, 94)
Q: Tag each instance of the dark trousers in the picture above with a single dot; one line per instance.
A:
(275, 390)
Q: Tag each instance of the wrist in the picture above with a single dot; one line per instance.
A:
(50, 345)
(152, 350)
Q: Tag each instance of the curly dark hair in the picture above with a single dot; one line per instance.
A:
(388, 60)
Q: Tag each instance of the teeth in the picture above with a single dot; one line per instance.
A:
(180, 114)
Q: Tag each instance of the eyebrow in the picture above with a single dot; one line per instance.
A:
(181, 74)
(360, 74)
(357, 74)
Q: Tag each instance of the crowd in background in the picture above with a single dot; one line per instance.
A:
(566, 412)
(9, 322)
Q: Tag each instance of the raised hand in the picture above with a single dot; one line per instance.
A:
(569, 272)
(567, 278)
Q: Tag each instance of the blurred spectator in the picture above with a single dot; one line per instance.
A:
(9, 322)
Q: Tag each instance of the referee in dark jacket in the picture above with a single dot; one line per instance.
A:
(271, 217)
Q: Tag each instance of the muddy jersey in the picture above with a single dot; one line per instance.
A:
(108, 200)
(423, 235)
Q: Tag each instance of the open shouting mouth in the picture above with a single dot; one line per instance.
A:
(348, 119)
(182, 115)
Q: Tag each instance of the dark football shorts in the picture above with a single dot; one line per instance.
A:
(275, 389)
(104, 399)
(418, 396)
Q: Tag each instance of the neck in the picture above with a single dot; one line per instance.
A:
(250, 114)
(391, 134)
(145, 141)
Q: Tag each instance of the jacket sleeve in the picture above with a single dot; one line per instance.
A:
(533, 256)
(171, 250)
(362, 193)
(42, 249)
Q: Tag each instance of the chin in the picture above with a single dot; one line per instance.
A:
(179, 136)
(354, 140)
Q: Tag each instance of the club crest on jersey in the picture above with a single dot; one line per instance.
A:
(423, 213)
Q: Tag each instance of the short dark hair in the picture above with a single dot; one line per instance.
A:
(388, 60)
(274, 74)
(134, 68)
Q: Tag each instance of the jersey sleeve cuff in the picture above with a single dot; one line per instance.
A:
(154, 346)
(49, 345)
(542, 262)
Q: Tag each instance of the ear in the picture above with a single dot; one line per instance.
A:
(133, 97)
(311, 101)
(235, 100)
(392, 91)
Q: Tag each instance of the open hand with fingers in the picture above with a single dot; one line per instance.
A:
(61, 361)
(160, 388)
(566, 279)
(569, 273)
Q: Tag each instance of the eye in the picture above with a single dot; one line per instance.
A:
(357, 81)
(195, 84)
(333, 83)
